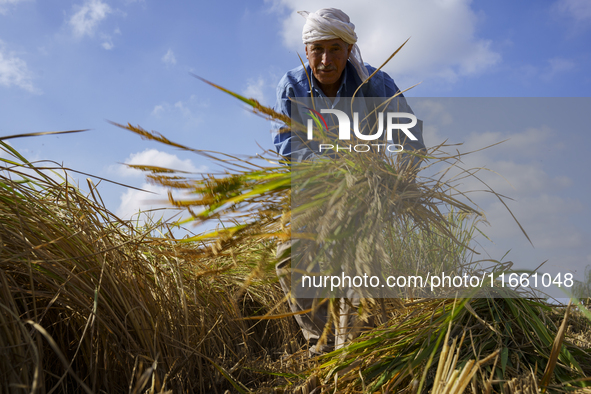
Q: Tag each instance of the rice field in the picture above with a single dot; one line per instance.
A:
(93, 303)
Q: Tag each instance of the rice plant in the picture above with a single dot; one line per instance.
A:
(90, 303)
(426, 220)
(93, 303)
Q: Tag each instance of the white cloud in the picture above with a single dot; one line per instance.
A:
(187, 110)
(108, 39)
(153, 203)
(133, 201)
(532, 168)
(181, 107)
(544, 218)
(14, 71)
(157, 158)
(169, 59)
(512, 168)
(254, 89)
(158, 109)
(554, 67)
(580, 10)
(528, 142)
(435, 116)
(5, 3)
(443, 42)
(515, 169)
(557, 66)
(85, 21)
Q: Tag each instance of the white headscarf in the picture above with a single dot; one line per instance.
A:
(329, 24)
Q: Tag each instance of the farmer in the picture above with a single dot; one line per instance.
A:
(336, 70)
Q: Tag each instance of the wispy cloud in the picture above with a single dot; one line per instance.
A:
(255, 89)
(108, 39)
(516, 160)
(4, 4)
(557, 66)
(523, 168)
(158, 109)
(554, 67)
(580, 10)
(154, 157)
(85, 21)
(189, 111)
(153, 202)
(134, 201)
(169, 59)
(14, 71)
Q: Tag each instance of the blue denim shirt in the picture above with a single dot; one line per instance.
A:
(295, 84)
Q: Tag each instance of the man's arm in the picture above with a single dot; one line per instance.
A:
(288, 143)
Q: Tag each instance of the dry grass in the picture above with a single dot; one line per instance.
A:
(91, 303)
(428, 218)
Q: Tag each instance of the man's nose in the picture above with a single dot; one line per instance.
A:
(326, 58)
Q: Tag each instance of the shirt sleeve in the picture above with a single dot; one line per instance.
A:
(288, 143)
(280, 131)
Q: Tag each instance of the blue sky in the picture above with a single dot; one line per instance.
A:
(76, 64)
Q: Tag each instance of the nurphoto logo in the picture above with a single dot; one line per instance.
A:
(392, 124)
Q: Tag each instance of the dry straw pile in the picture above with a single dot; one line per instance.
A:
(476, 344)
(92, 303)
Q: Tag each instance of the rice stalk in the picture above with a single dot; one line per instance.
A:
(361, 198)
(90, 300)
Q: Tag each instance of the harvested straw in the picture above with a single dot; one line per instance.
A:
(254, 201)
(90, 303)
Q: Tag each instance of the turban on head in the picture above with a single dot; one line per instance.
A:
(329, 24)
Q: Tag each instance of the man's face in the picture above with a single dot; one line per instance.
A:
(328, 59)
